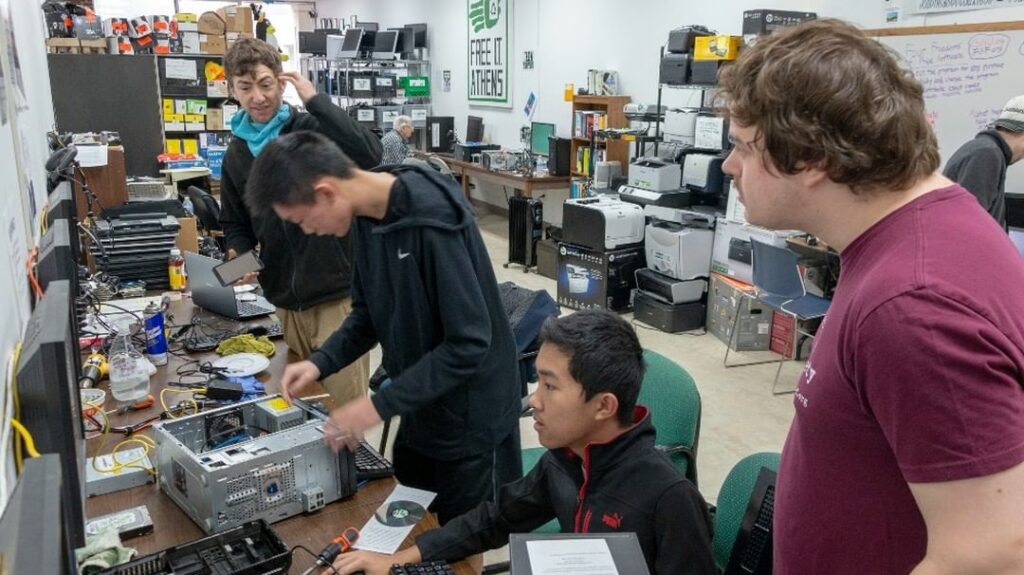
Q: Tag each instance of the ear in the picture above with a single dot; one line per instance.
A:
(323, 190)
(607, 406)
(813, 176)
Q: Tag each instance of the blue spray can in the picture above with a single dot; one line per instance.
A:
(156, 339)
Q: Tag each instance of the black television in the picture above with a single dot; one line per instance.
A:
(32, 537)
(419, 34)
(56, 258)
(474, 129)
(752, 551)
(51, 410)
(440, 134)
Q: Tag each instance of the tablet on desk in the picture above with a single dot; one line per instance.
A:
(599, 553)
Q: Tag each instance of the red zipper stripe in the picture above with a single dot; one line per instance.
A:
(583, 489)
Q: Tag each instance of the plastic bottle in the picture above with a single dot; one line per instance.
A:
(176, 270)
(129, 380)
(156, 339)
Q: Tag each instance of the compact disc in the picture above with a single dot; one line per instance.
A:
(400, 513)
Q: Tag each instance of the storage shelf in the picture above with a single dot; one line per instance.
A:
(166, 94)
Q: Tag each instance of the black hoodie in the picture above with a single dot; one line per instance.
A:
(424, 288)
(624, 485)
(300, 271)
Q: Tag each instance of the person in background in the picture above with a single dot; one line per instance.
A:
(906, 451)
(424, 289)
(308, 278)
(601, 473)
(980, 165)
(396, 141)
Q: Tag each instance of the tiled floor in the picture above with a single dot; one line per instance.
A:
(740, 414)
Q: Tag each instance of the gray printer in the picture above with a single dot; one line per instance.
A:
(678, 242)
(654, 174)
(702, 173)
(602, 223)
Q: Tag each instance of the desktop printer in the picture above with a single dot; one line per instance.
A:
(702, 173)
(678, 243)
(680, 125)
(654, 174)
(642, 197)
(670, 290)
(602, 223)
(466, 151)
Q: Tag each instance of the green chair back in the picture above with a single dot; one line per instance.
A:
(671, 395)
(733, 500)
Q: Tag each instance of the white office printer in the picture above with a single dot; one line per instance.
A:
(679, 242)
(602, 223)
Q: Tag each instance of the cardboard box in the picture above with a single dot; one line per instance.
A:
(187, 22)
(88, 27)
(214, 119)
(592, 279)
(174, 123)
(190, 43)
(116, 27)
(762, 22)
(195, 122)
(211, 23)
(212, 44)
(732, 255)
(162, 23)
(215, 160)
(236, 18)
(218, 89)
(188, 235)
(195, 107)
(139, 27)
(720, 47)
(172, 146)
(143, 44)
(120, 45)
(753, 327)
(161, 43)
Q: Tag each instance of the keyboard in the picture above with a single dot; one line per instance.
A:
(372, 465)
(425, 568)
(246, 309)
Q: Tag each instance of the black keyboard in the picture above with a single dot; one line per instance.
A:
(246, 309)
(426, 568)
(372, 465)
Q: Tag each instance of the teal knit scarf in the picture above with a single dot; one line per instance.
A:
(257, 135)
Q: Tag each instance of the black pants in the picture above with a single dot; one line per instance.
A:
(461, 484)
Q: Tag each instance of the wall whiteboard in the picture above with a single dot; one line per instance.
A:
(968, 72)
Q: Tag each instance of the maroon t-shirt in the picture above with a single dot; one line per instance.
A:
(916, 376)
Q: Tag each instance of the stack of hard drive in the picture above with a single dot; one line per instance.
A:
(135, 247)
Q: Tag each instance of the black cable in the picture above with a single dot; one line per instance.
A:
(314, 556)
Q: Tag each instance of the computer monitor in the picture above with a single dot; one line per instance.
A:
(350, 45)
(475, 129)
(334, 46)
(32, 537)
(384, 45)
(51, 410)
(440, 134)
(61, 206)
(539, 134)
(406, 41)
(55, 259)
(420, 33)
(752, 551)
(368, 26)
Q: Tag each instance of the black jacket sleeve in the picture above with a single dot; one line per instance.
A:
(356, 140)
(980, 174)
(353, 339)
(234, 217)
(520, 507)
(684, 532)
(465, 324)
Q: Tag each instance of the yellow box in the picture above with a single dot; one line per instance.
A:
(186, 17)
(168, 106)
(173, 146)
(190, 146)
(717, 47)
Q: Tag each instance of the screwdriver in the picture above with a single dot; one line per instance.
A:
(337, 546)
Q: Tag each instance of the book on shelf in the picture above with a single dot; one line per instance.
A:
(583, 158)
(585, 122)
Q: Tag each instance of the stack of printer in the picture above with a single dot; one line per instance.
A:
(602, 247)
(654, 182)
(671, 290)
(135, 247)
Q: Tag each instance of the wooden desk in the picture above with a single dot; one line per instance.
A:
(173, 527)
(511, 179)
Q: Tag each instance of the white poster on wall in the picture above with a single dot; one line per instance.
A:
(933, 6)
(490, 32)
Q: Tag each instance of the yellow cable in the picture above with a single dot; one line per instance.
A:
(30, 445)
(147, 444)
(163, 402)
(17, 407)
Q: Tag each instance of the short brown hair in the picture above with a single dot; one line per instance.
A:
(246, 54)
(823, 94)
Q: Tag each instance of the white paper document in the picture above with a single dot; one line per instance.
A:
(180, 69)
(91, 155)
(394, 520)
(571, 557)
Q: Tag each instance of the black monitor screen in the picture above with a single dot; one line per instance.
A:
(440, 133)
(385, 41)
(475, 129)
(420, 31)
(32, 538)
(406, 40)
(353, 36)
(47, 387)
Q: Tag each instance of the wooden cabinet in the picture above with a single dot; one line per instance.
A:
(610, 107)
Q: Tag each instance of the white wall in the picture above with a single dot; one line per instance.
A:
(871, 14)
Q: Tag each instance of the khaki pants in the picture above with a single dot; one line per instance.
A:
(305, 331)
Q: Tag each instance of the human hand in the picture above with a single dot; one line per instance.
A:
(296, 377)
(303, 86)
(365, 562)
(249, 278)
(347, 423)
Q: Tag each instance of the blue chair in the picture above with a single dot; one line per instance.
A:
(780, 285)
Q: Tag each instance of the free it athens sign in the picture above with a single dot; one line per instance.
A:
(489, 37)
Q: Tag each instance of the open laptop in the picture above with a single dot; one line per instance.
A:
(209, 294)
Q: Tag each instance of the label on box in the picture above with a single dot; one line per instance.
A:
(364, 115)
(385, 82)
(229, 111)
(196, 107)
(709, 132)
(362, 84)
(181, 107)
(218, 89)
(388, 116)
(419, 115)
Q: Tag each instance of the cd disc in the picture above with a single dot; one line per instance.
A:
(400, 513)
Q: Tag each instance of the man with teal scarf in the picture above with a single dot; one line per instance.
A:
(308, 278)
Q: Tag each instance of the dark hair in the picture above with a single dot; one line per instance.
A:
(822, 94)
(604, 355)
(285, 171)
(246, 54)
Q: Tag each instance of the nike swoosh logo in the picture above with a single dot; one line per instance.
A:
(402, 256)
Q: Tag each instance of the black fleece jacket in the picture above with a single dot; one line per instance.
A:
(980, 167)
(300, 271)
(623, 485)
(424, 288)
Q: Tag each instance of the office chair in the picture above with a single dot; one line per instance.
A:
(780, 285)
(733, 501)
(206, 208)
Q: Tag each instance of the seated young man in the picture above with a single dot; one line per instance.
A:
(601, 474)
